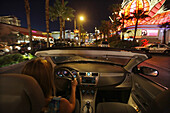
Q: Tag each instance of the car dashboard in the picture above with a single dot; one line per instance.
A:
(94, 78)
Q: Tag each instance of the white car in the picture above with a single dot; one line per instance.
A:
(158, 48)
(143, 47)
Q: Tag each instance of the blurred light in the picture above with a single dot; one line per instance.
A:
(68, 19)
(7, 50)
(81, 18)
(34, 31)
(29, 48)
(19, 48)
(11, 47)
(88, 74)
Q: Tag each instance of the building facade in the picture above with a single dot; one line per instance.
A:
(11, 20)
(152, 27)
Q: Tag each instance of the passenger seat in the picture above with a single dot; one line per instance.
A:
(114, 107)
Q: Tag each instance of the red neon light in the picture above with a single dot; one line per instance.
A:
(144, 42)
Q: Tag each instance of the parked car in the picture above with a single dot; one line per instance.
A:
(104, 44)
(158, 48)
(143, 47)
(109, 81)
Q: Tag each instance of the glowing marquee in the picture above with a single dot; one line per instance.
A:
(149, 32)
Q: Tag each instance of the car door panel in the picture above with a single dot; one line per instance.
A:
(144, 92)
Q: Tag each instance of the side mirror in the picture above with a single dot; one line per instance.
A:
(148, 71)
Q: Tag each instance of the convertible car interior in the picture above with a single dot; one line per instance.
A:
(109, 81)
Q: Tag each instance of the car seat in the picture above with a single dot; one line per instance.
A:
(20, 93)
(114, 107)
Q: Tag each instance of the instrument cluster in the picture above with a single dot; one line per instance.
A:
(65, 73)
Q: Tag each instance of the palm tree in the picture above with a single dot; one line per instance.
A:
(61, 11)
(114, 9)
(68, 14)
(27, 8)
(47, 21)
(137, 15)
(105, 28)
(56, 11)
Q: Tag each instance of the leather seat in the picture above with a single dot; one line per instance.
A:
(20, 94)
(115, 107)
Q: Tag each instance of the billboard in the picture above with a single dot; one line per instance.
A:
(149, 32)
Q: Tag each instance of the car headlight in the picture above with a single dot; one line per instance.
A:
(29, 48)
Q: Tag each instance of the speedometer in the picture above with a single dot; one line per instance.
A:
(74, 74)
(59, 73)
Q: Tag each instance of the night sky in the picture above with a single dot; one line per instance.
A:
(93, 10)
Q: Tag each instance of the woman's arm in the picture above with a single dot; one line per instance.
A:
(68, 106)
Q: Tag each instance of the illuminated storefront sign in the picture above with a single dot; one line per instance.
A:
(149, 32)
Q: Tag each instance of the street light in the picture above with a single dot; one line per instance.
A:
(81, 19)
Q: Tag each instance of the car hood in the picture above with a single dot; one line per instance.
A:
(134, 58)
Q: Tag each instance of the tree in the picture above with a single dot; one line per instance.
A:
(139, 14)
(115, 19)
(27, 8)
(114, 8)
(105, 28)
(56, 11)
(67, 14)
(61, 11)
(47, 21)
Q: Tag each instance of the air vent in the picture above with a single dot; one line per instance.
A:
(94, 74)
(82, 73)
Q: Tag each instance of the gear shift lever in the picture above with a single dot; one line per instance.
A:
(86, 108)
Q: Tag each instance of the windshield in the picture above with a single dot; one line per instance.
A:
(86, 58)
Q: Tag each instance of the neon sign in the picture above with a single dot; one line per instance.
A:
(144, 42)
(149, 32)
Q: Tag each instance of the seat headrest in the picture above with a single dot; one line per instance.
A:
(20, 93)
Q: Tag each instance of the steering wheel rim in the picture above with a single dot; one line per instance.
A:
(63, 84)
(69, 72)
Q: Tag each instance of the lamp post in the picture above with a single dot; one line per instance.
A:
(81, 19)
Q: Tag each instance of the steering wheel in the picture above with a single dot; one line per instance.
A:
(63, 81)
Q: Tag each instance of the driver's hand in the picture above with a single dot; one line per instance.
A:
(74, 83)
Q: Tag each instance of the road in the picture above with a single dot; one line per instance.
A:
(161, 63)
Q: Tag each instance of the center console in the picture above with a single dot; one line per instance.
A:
(88, 91)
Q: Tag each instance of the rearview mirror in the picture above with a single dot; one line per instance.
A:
(149, 71)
